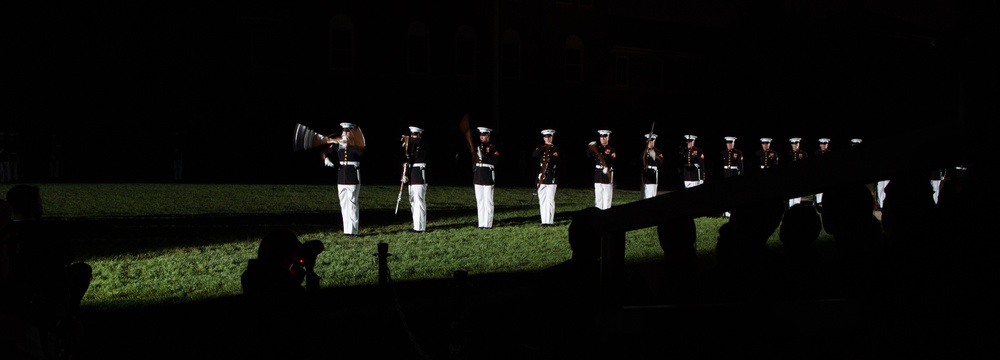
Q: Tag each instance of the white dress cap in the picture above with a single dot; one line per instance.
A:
(415, 130)
(346, 125)
(765, 140)
(650, 136)
(824, 140)
(730, 139)
(855, 141)
(794, 140)
(484, 130)
(690, 137)
(604, 132)
(548, 132)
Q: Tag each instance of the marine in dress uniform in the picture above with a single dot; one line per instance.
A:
(547, 155)
(824, 148)
(693, 167)
(345, 156)
(652, 159)
(766, 157)
(796, 154)
(484, 178)
(732, 161)
(603, 155)
(416, 176)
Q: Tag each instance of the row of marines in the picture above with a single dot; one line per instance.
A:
(343, 154)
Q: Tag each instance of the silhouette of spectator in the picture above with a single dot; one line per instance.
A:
(583, 268)
(274, 279)
(744, 243)
(909, 208)
(799, 229)
(953, 185)
(848, 217)
(273, 287)
(741, 249)
(43, 284)
(931, 267)
(677, 237)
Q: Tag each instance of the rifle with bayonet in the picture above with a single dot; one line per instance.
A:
(544, 168)
(604, 164)
(406, 167)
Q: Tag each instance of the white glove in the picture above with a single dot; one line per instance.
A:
(406, 179)
(592, 143)
(327, 162)
(651, 153)
(697, 166)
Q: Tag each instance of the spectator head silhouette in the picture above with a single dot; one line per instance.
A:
(909, 206)
(279, 248)
(25, 202)
(743, 241)
(844, 206)
(677, 237)
(800, 227)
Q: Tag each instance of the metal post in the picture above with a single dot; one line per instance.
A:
(383, 266)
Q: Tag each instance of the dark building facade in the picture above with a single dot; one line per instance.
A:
(231, 80)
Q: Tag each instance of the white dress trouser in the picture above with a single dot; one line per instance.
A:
(418, 206)
(547, 203)
(936, 186)
(794, 201)
(484, 203)
(691, 184)
(349, 207)
(648, 191)
(602, 195)
(880, 191)
(819, 199)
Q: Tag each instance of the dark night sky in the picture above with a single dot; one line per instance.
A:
(112, 82)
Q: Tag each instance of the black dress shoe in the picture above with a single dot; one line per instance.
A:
(416, 231)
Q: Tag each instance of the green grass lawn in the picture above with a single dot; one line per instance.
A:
(174, 243)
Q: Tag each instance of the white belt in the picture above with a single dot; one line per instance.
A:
(961, 168)
(599, 166)
(485, 165)
(728, 167)
(762, 166)
(651, 167)
(352, 163)
(419, 165)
